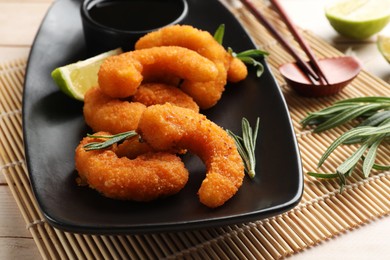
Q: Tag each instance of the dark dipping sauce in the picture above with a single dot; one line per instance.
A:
(136, 15)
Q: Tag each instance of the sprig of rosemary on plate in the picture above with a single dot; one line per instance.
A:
(111, 139)
(369, 134)
(248, 57)
(246, 145)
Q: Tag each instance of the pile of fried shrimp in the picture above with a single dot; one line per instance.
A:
(158, 90)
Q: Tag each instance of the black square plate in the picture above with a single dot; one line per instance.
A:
(54, 125)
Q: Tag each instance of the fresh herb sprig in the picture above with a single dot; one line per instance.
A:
(369, 134)
(111, 139)
(248, 57)
(347, 110)
(246, 145)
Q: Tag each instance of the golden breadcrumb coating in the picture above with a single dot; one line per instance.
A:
(145, 178)
(158, 93)
(168, 127)
(237, 70)
(119, 76)
(103, 113)
(205, 94)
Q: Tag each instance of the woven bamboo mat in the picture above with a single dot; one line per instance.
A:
(322, 214)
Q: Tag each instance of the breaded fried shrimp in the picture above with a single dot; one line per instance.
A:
(168, 127)
(103, 113)
(158, 93)
(185, 36)
(205, 94)
(197, 40)
(145, 178)
(176, 60)
(119, 76)
(237, 70)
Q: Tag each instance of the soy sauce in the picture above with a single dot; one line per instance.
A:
(136, 15)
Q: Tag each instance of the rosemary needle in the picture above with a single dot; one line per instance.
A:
(111, 139)
(246, 145)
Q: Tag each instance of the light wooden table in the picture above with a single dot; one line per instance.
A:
(19, 22)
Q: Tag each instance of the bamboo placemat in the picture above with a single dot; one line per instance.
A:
(323, 212)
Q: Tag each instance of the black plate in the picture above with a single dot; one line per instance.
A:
(54, 125)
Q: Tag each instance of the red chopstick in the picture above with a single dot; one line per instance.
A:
(303, 65)
(306, 48)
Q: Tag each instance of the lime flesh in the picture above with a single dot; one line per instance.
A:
(358, 19)
(75, 79)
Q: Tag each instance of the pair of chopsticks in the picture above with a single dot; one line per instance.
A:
(314, 71)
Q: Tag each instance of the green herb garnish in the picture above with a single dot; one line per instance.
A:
(246, 145)
(219, 33)
(348, 109)
(111, 139)
(374, 129)
(248, 56)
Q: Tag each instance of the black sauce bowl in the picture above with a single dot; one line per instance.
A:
(109, 24)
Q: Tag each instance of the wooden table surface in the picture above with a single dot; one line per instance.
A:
(19, 22)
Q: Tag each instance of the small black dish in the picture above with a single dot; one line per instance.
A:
(109, 24)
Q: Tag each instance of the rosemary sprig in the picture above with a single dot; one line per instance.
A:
(248, 57)
(369, 134)
(111, 139)
(246, 145)
(347, 110)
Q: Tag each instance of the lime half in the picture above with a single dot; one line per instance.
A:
(383, 43)
(358, 19)
(76, 78)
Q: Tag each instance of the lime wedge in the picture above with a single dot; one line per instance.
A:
(383, 43)
(76, 78)
(358, 19)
